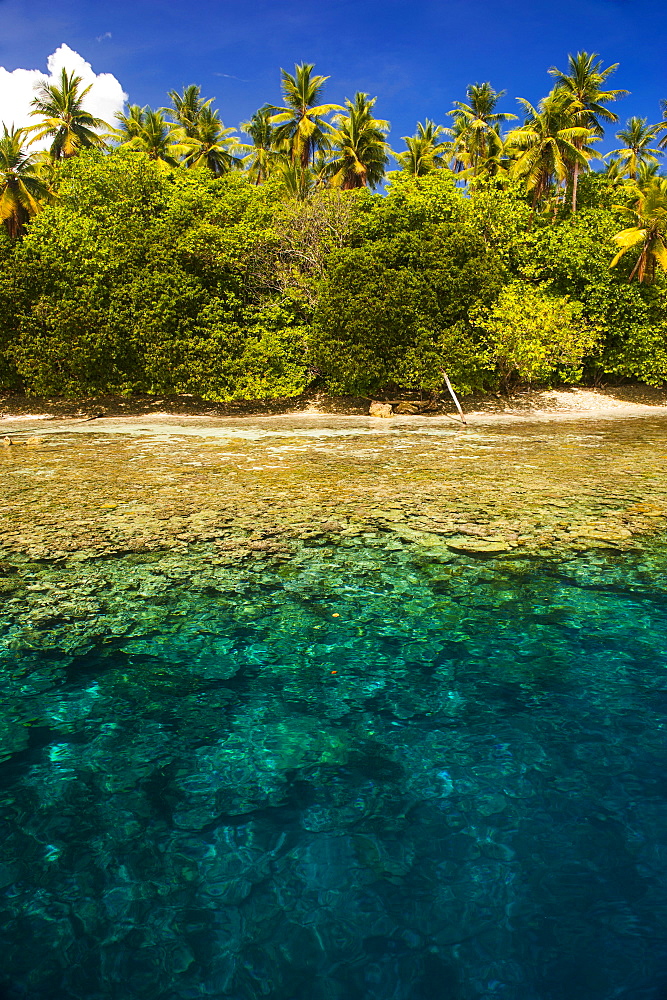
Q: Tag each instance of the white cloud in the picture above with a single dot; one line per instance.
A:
(17, 89)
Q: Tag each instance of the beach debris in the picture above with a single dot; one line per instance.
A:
(454, 396)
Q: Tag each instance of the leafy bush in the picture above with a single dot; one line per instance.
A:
(532, 335)
(141, 279)
(394, 312)
(144, 279)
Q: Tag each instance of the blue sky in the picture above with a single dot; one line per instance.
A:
(417, 57)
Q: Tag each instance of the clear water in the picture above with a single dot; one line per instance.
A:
(363, 766)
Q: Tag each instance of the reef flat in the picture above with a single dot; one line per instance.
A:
(310, 708)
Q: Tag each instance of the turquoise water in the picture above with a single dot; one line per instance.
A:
(366, 772)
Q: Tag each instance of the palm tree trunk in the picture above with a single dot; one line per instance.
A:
(638, 267)
(14, 222)
(14, 226)
(575, 183)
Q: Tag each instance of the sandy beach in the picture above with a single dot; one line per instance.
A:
(565, 403)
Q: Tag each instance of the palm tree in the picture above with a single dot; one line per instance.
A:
(130, 125)
(647, 173)
(548, 144)
(359, 144)
(458, 146)
(296, 181)
(188, 109)
(260, 153)
(200, 132)
(583, 87)
(476, 125)
(663, 124)
(419, 158)
(613, 172)
(300, 123)
(429, 130)
(64, 119)
(648, 232)
(495, 165)
(433, 134)
(21, 187)
(636, 137)
(209, 143)
(426, 151)
(147, 131)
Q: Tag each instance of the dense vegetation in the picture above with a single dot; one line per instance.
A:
(165, 255)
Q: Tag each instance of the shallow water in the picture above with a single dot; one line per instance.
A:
(330, 710)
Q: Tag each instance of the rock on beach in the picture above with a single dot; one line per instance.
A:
(380, 410)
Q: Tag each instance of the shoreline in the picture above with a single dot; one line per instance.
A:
(544, 406)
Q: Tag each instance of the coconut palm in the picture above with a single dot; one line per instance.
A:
(426, 151)
(613, 173)
(301, 127)
(21, 187)
(662, 126)
(64, 119)
(547, 145)
(360, 151)
(459, 145)
(200, 133)
(636, 137)
(648, 214)
(476, 125)
(296, 181)
(647, 173)
(147, 131)
(494, 165)
(130, 125)
(208, 143)
(433, 134)
(418, 159)
(583, 88)
(429, 130)
(188, 109)
(260, 152)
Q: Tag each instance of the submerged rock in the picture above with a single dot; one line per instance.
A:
(483, 547)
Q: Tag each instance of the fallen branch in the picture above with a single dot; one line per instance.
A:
(453, 395)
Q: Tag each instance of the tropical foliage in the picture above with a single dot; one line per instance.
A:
(22, 190)
(171, 253)
(637, 151)
(475, 137)
(549, 146)
(583, 91)
(301, 127)
(533, 334)
(360, 152)
(64, 119)
(648, 233)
